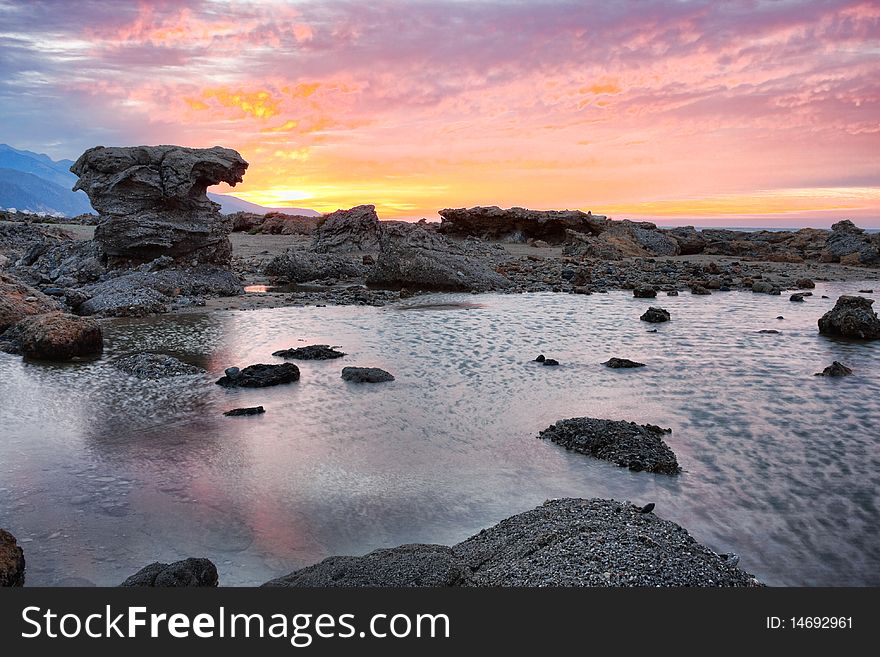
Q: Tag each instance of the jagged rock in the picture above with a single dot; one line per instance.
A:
(152, 201)
(18, 301)
(835, 369)
(655, 315)
(155, 366)
(57, 336)
(627, 444)
(644, 292)
(261, 376)
(12, 564)
(366, 375)
(413, 257)
(301, 266)
(310, 352)
(250, 410)
(617, 363)
(690, 242)
(346, 231)
(189, 572)
(518, 224)
(273, 223)
(849, 244)
(851, 317)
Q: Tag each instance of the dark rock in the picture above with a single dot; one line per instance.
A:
(866, 291)
(851, 317)
(699, 290)
(365, 375)
(618, 363)
(655, 315)
(57, 336)
(769, 331)
(690, 242)
(540, 358)
(311, 352)
(797, 296)
(647, 508)
(626, 444)
(550, 362)
(804, 284)
(232, 372)
(368, 260)
(189, 572)
(672, 293)
(518, 224)
(346, 231)
(302, 267)
(849, 244)
(644, 293)
(155, 366)
(261, 376)
(250, 410)
(835, 369)
(765, 287)
(12, 564)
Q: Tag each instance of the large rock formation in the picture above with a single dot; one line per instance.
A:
(413, 257)
(518, 224)
(849, 244)
(851, 317)
(347, 231)
(297, 266)
(152, 201)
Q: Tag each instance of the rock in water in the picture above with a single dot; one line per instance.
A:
(152, 201)
(550, 362)
(365, 375)
(311, 352)
(644, 293)
(261, 376)
(655, 315)
(851, 317)
(835, 369)
(804, 284)
(58, 336)
(627, 444)
(540, 358)
(618, 363)
(12, 563)
(155, 366)
(189, 572)
(346, 231)
(797, 297)
(251, 410)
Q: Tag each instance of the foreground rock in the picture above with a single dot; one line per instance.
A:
(627, 444)
(835, 369)
(517, 224)
(625, 363)
(347, 231)
(259, 376)
(155, 366)
(655, 315)
(189, 572)
(566, 542)
(851, 317)
(18, 301)
(310, 352)
(12, 564)
(152, 201)
(415, 258)
(56, 336)
(366, 375)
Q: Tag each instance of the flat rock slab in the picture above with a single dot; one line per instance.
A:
(366, 375)
(627, 444)
(311, 352)
(622, 363)
(261, 376)
(155, 366)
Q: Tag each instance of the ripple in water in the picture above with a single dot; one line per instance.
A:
(101, 473)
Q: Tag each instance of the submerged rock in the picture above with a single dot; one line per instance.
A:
(550, 362)
(346, 231)
(851, 317)
(57, 336)
(617, 363)
(155, 366)
(655, 315)
(189, 572)
(627, 444)
(250, 410)
(261, 376)
(310, 352)
(365, 375)
(12, 564)
(835, 369)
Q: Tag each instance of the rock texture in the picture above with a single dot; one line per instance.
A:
(189, 572)
(310, 352)
(155, 366)
(347, 231)
(57, 336)
(566, 542)
(627, 444)
(849, 244)
(366, 375)
(298, 266)
(655, 315)
(152, 201)
(851, 317)
(18, 301)
(518, 224)
(12, 564)
(259, 376)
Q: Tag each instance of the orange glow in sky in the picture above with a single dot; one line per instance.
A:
(656, 109)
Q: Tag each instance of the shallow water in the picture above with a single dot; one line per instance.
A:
(101, 473)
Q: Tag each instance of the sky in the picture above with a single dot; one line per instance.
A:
(739, 112)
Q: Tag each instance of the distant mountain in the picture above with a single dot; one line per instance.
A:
(230, 204)
(38, 165)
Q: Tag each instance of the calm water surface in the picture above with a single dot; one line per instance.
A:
(101, 473)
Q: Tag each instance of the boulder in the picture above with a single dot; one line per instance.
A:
(152, 201)
(644, 292)
(18, 301)
(849, 244)
(625, 363)
(303, 266)
(365, 375)
(413, 257)
(12, 564)
(189, 572)
(797, 297)
(627, 444)
(690, 241)
(310, 352)
(347, 231)
(835, 369)
(655, 315)
(765, 287)
(518, 224)
(851, 317)
(58, 336)
(259, 376)
(804, 284)
(155, 366)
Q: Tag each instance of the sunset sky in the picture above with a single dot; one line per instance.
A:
(658, 109)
